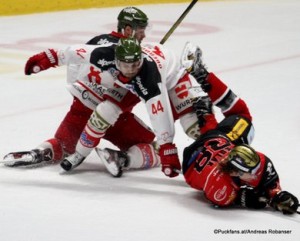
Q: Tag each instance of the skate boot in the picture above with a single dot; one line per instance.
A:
(28, 158)
(72, 161)
(114, 161)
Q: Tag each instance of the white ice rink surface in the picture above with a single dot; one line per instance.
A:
(253, 46)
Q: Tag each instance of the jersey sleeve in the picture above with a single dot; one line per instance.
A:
(160, 113)
(99, 55)
(270, 180)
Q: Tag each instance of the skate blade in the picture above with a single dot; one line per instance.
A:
(18, 159)
(111, 167)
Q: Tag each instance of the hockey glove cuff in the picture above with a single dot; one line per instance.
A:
(169, 160)
(249, 198)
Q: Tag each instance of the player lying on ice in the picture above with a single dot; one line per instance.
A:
(221, 163)
(87, 84)
(228, 170)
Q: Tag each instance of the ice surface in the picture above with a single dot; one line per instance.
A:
(252, 45)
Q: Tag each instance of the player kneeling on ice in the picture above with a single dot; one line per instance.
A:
(230, 172)
(154, 74)
(87, 83)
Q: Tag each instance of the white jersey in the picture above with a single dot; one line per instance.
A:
(160, 74)
(88, 78)
(159, 83)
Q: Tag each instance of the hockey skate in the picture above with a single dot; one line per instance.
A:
(27, 158)
(72, 161)
(114, 161)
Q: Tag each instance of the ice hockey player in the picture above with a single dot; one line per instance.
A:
(221, 163)
(153, 74)
(228, 170)
(87, 85)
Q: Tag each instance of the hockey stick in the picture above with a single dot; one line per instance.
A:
(179, 20)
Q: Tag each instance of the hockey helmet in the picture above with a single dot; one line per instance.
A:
(128, 55)
(133, 17)
(243, 158)
(128, 50)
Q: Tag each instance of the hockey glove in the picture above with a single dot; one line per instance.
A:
(202, 106)
(191, 60)
(169, 160)
(41, 61)
(285, 202)
(250, 198)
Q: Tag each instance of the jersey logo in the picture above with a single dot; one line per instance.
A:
(220, 194)
(81, 51)
(94, 75)
(141, 86)
(158, 52)
(182, 91)
(238, 130)
(104, 62)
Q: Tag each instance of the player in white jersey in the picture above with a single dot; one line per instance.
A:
(153, 74)
(87, 86)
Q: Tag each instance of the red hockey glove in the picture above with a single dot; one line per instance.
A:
(41, 61)
(169, 160)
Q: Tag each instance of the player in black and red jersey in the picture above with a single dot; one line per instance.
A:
(221, 163)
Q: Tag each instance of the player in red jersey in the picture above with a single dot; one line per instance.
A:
(221, 163)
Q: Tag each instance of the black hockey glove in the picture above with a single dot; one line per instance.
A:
(202, 106)
(251, 198)
(285, 202)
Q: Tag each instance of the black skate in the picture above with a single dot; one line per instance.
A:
(27, 158)
(72, 161)
(114, 161)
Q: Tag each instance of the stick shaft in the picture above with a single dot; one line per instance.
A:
(179, 20)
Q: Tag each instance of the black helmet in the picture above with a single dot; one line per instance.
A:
(128, 50)
(133, 17)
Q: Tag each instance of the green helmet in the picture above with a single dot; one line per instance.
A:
(244, 158)
(128, 50)
(133, 17)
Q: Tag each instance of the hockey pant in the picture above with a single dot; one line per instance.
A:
(121, 134)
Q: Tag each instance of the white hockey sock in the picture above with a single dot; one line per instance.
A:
(142, 156)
